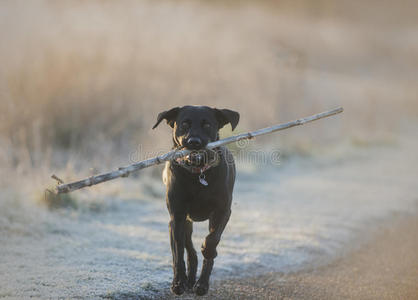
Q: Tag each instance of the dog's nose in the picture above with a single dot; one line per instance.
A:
(194, 142)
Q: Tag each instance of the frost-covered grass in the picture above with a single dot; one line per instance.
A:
(114, 242)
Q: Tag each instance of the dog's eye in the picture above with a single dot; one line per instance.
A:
(206, 125)
(185, 125)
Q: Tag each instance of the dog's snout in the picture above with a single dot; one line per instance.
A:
(194, 142)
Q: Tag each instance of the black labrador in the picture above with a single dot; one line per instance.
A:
(199, 187)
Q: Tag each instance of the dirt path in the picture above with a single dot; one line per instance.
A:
(386, 267)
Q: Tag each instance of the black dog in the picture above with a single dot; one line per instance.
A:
(199, 187)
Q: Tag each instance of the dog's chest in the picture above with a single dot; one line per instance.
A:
(201, 206)
(197, 199)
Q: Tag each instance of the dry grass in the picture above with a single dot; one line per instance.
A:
(84, 81)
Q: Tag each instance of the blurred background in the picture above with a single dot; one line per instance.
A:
(81, 84)
(85, 81)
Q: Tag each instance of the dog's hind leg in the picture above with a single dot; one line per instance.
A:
(191, 254)
(217, 223)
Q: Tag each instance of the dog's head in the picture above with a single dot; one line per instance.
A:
(196, 126)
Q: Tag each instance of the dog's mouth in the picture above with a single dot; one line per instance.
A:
(196, 158)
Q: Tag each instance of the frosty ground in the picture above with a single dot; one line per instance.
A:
(304, 213)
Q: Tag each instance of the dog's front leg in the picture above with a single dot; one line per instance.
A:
(177, 227)
(217, 223)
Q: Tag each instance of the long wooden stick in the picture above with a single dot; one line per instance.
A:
(125, 171)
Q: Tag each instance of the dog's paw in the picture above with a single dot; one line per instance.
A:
(178, 287)
(201, 288)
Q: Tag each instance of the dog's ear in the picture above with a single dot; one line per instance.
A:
(225, 116)
(169, 115)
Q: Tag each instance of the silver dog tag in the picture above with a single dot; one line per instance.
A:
(202, 179)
